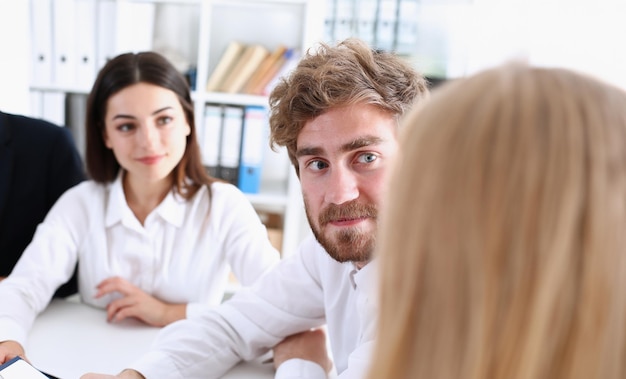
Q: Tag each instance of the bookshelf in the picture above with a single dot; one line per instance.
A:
(193, 34)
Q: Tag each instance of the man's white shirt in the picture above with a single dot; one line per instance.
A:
(306, 290)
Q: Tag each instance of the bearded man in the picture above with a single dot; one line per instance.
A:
(337, 114)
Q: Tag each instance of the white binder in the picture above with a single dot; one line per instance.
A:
(41, 31)
(36, 104)
(106, 25)
(85, 43)
(232, 127)
(406, 37)
(366, 21)
(344, 19)
(211, 138)
(53, 107)
(386, 25)
(63, 43)
(135, 26)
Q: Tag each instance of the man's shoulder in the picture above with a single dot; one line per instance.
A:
(21, 129)
(23, 124)
(310, 248)
(313, 254)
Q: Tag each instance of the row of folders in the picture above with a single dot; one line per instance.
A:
(233, 142)
(73, 39)
(251, 68)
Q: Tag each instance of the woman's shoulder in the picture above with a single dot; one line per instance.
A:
(227, 198)
(87, 187)
(79, 203)
(87, 191)
(226, 190)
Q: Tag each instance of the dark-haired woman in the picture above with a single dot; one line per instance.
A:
(154, 236)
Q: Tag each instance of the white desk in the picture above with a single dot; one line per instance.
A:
(70, 338)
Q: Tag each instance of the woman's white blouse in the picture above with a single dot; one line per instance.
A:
(182, 253)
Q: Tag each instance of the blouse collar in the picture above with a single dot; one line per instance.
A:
(170, 209)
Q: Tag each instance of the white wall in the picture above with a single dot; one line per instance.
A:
(457, 37)
(466, 36)
(14, 68)
(587, 37)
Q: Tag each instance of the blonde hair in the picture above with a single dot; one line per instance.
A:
(501, 250)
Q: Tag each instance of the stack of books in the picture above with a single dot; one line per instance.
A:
(251, 68)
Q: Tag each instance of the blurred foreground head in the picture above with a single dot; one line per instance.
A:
(502, 249)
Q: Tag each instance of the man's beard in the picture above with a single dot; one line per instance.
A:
(350, 244)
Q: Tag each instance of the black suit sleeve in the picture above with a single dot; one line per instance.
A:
(40, 162)
(65, 166)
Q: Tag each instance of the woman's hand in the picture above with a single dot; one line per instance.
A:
(136, 303)
(9, 350)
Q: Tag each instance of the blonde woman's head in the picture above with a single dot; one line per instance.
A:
(501, 248)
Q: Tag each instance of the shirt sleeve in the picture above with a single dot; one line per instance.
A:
(358, 366)
(358, 362)
(211, 341)
(196, 347)
(300, 369)
(360, 358)
(48, 261)
(195, 309)
(248, 249)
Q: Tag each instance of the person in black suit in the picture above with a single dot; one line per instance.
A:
(38, 162)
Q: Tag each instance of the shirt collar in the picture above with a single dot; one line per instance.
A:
(365, 277)
(169, 209)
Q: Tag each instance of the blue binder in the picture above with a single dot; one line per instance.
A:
(254, 141)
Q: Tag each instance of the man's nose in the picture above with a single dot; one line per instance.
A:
(342, 186)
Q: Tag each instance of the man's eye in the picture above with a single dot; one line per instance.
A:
(367, 158)
(317, 165)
